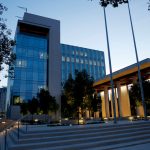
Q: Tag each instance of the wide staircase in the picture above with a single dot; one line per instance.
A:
(88, 137)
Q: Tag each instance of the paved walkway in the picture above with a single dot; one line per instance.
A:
(137, 147)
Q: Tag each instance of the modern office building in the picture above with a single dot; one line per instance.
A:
(42, 62)
(3, 92)
(78, 58)
(38, 63)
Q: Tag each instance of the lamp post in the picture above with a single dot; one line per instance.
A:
(104, 4)
(110, 66)
(138, 64)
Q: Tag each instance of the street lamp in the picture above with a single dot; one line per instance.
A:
(115, 3)
(110, 66)
(138, 65)
(104, 4)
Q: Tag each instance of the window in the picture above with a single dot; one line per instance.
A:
(81, 53)
(102, 63)
(81, 61)
(90, 62)
(21, 63)
(86, 61)
(63, 58)
(85, 54)
(77, 60)
(43, 55)
(30, 53)
(68, 59)
(72, 59)
(23, 75)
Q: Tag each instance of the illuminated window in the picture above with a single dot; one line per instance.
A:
(21, 63)
(43, 55)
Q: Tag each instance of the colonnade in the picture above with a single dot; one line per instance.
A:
(122, 102)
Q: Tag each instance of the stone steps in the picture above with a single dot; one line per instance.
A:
(97, 137)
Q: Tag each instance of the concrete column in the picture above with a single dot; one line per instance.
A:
(96, 114)
(103, 105)
(87, 114)
(125, 101)
(116, 102)
(106, 101)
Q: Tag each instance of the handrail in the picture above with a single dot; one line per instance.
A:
(8, 127)
(13, 123)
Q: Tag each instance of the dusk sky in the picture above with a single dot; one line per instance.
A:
(82, 24)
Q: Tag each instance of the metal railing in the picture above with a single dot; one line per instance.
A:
(9, 129)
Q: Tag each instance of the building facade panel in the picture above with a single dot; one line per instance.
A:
(79, 58)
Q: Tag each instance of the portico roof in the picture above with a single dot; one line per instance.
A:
(125, 75)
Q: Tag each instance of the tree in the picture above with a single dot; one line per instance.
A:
(77, 94)
(47, 102)
(135, 95)
(33, 105)
(67, 98)
(66, 107)
(7, 56)
(114, 3)
(24, 108)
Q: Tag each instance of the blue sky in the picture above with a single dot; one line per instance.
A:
(82, 24)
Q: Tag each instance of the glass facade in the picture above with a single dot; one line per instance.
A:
(78, 58)
(31, 65)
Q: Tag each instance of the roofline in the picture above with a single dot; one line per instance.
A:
(124, 71)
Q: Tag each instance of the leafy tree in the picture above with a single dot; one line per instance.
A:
(67, 98)
(33, 105)
(114, 3)
(135, 95)
(24, 108)
(78, 94)
(47, 102)
(7, 56)
(66, 107)
(69, 90)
